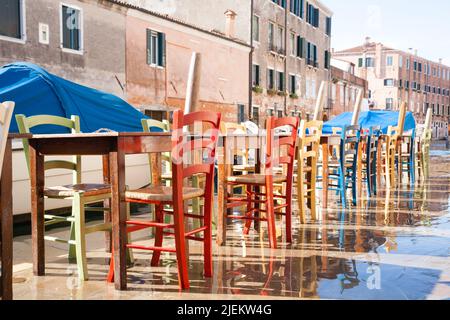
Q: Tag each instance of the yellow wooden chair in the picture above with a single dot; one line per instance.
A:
(307, 158)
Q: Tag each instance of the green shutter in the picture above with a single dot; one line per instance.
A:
(360, 62)
(161, 49)
(304, 48)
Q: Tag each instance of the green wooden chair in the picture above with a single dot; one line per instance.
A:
(79, 193)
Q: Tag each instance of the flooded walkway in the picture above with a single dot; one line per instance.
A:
(393, 246)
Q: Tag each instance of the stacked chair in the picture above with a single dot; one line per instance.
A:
(369, 161)
(252, 182)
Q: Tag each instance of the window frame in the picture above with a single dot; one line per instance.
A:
(258, 31)
(61, 34)
(23, 26)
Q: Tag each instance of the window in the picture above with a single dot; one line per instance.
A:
(280, 81)
(312, 54)
(370, 62)
(292, 84)
(255, 114)
(389, 61)
(71, 28)
(280, 113)
(388, 82)
(327, 60)
(360, 62)
(312, 15)
(407, 64)
(241, 113)
(400, 61)
(297, 7)
(281, 3)
(270, 79)
(280, 43)
(256, 75)
(301, 47)
(255, 29)
(156, 48)
(271, 36)
(328, 26)
(12, 19)
(400, 83)
(389, 103)
(292, 44)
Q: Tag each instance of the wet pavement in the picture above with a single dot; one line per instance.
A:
(395, 245)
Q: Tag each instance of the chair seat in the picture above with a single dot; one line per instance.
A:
(255, 179)
(337, 164)
(87, 189)
(162, 193)
(243, 167)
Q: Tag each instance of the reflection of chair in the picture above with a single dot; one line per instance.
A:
(343, 171)
(267, 180)
(307, 156)
(176, 195)
(79, 193)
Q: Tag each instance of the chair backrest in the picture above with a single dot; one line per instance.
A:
(6, 112)
(289, 142)
(230, 127)
(372, 141)
(186, 142)
(350, 137)
(309, 133)
(147, 126)
(26, 124)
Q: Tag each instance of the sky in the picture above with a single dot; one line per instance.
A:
(401, 24)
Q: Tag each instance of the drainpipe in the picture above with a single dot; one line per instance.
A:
(250, 63)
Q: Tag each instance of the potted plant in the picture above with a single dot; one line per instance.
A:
(257, 89)
(281, 93)
(293, 96)
(271, 92)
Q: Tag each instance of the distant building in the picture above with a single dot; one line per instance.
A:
(158, 56)
(395, 76)
(291, 56)
(344, 87)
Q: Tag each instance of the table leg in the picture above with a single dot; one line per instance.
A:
(37, 210)
(119, 215)
(324, 175)
(6, 224)
(107, 203)
(221, 191)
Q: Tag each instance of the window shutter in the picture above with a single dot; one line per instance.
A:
(360, 62)
(299, 46)
(161, 49)
(316, 17)
(304, 48)
(149, 51)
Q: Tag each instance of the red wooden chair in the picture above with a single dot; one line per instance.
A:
(267, 180)
(182, 145)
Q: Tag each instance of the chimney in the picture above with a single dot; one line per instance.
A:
(378, 55)
(367, 41)
(229, 24)
(415, 52)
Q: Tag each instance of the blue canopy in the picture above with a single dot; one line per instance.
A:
(36, 91)
(369, 119)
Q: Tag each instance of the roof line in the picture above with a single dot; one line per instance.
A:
(177, 21)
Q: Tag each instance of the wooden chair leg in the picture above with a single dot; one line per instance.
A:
(248, 223)
(301, 193)
(72, 249)
(271, 217)
(80, 236)
(158, 235)
(313, 189)
(207, 234)
(130, 257)
(289, 212)
(180, 243)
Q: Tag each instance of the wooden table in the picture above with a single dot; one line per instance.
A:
(6, 220)
(112, 145)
